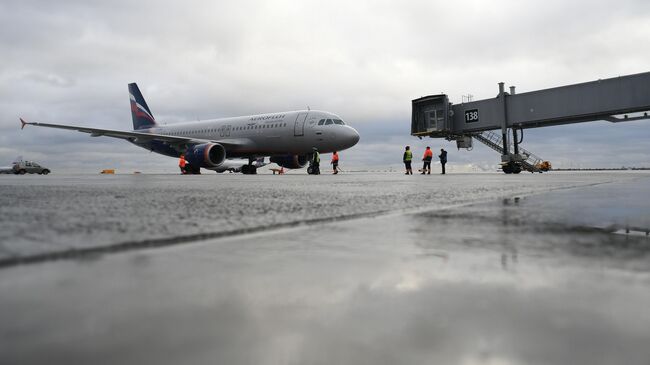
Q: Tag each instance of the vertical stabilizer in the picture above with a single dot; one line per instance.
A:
(140, 112)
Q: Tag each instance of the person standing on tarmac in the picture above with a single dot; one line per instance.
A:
(408, 157)
(315, 162)
(335, 163)
(428, 156)
(182, 163)
(443, 159)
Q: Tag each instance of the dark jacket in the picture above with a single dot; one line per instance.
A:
(443, 156)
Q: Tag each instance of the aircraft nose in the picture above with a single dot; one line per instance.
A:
(352, 136)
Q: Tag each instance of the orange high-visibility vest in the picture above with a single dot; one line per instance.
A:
(181, 162)
(335, 157)
(428, 153)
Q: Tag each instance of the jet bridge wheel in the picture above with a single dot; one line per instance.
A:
(511, 168)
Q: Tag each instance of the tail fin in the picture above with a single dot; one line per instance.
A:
(142, 117)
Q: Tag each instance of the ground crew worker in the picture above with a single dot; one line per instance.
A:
(408, 157)
(182, 163)
(428, 156)
(443, 159)
(335, 162)
(315, 162)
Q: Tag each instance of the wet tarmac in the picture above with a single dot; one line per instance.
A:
(348, 269)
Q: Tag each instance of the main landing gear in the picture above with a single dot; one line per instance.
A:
(249, 169)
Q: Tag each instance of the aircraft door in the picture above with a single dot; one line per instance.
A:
(299, 127)
(224, 131)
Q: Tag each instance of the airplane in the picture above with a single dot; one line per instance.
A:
(288, 138)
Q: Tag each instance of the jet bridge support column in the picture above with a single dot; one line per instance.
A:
(515, 138)
(510, 163)
(504, 124)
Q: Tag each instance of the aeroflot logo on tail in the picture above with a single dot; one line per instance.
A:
(267, 117)
(139, 110)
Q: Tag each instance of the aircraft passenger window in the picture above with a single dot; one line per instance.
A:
(338, 121)
(328, 122)
(321, 122)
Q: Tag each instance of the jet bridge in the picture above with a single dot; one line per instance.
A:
(607, 99)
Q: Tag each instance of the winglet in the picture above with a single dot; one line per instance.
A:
(22, 123)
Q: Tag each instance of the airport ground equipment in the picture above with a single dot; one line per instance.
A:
(606, 99)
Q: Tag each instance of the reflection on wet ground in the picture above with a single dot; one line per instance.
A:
(527, 279)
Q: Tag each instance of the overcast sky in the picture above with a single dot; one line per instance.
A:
(70, 62)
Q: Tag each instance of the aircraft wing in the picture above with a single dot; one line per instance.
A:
(134, 136)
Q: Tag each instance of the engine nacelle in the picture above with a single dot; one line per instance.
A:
(205, 155)
(291, 161)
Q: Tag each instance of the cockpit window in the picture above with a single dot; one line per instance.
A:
(321, 122)
(338, 121)
(328, 122)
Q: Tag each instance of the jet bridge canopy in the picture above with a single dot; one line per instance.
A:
(430, 116)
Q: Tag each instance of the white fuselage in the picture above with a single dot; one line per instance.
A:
(284, 133)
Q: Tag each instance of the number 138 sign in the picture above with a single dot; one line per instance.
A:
(471, 116)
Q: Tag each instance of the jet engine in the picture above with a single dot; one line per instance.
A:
(206, 155)
(291, 161)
